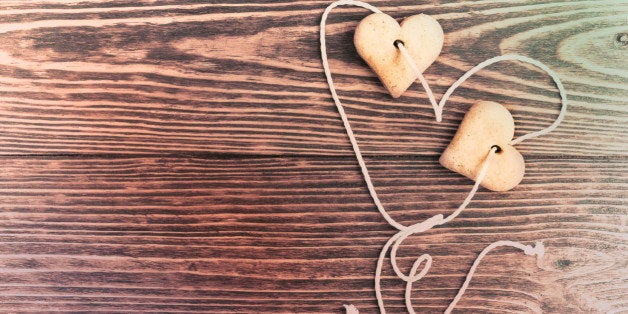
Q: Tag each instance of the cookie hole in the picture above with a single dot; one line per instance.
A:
(498, 149)
(398, 42)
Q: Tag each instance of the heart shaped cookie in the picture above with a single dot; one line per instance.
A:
(375, 38)
(486, 124)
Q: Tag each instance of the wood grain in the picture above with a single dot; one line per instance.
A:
(146, 77)
(300, 235)
(186, 156)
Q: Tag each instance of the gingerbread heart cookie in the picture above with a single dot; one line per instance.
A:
(375, 40)
(486, 124)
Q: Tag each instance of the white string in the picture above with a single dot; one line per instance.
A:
(404, 232)
(438, 111)
(341, 111)
(350, 309)
(538, 250)
(421, 227)
(438, 108)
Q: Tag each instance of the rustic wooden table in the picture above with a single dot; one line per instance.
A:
(186, 156)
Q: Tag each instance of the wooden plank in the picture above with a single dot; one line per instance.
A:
(301, 235)
(147, 77)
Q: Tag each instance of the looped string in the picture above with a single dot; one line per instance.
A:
(430, 223)
(406, 231)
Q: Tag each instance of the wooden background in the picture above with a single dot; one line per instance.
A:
(186, 156)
